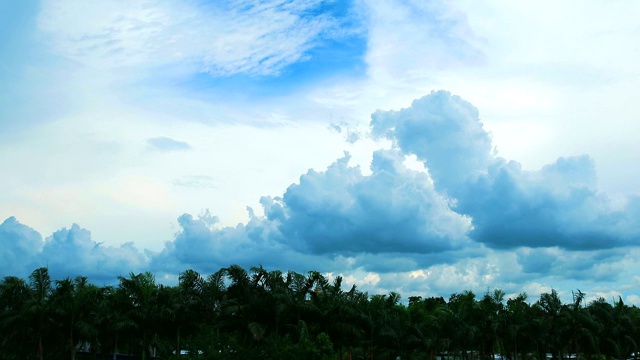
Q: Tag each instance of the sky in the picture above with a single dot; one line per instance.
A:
(423, 147)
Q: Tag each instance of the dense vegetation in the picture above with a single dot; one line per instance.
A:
(235, 314)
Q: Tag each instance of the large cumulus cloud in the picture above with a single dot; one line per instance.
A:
(72, 252)
(392, 210)
(443, 131)
(558, 205)
(67, 253)
(204, 245)
(338, 218)
(18, 242)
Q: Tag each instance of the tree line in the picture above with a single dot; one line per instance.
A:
(239, 314)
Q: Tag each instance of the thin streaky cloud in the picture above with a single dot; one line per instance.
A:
(164, 143)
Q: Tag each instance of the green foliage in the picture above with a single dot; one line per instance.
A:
(262, 314)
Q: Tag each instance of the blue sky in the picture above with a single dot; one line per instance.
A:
(424, 147)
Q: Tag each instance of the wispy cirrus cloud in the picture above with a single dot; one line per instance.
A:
(435, 33)
(219, 38)
(196, 181)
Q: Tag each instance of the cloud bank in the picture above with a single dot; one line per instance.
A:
(67, 252)
(472, 219)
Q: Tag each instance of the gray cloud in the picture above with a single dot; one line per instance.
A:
(72, 252)
(351, 135)
(558, 205)
(392, 210)
(201, 245)
(18, 245)
(444, 132)
(67, 252)
(167, 144)
(601, 265)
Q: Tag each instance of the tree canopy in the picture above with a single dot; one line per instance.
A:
(239, 314)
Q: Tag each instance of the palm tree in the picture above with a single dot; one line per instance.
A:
(551, 323)
(466, 311)
(142, 308)
(623, 330)
(15, 328)
(386, 323)
(37, 307)
(299, 287)
(26, 312)
(580, 326)
(235, 307)
(282, 299)
(490, 322)
(517, 318)
(74, 303)
(187, 307)
(113, 321)
(615, 328)
(338, 312)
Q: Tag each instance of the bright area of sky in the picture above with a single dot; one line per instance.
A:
(313, 135)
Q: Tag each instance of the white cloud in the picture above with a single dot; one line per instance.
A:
(408, 40)
(258, 38)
